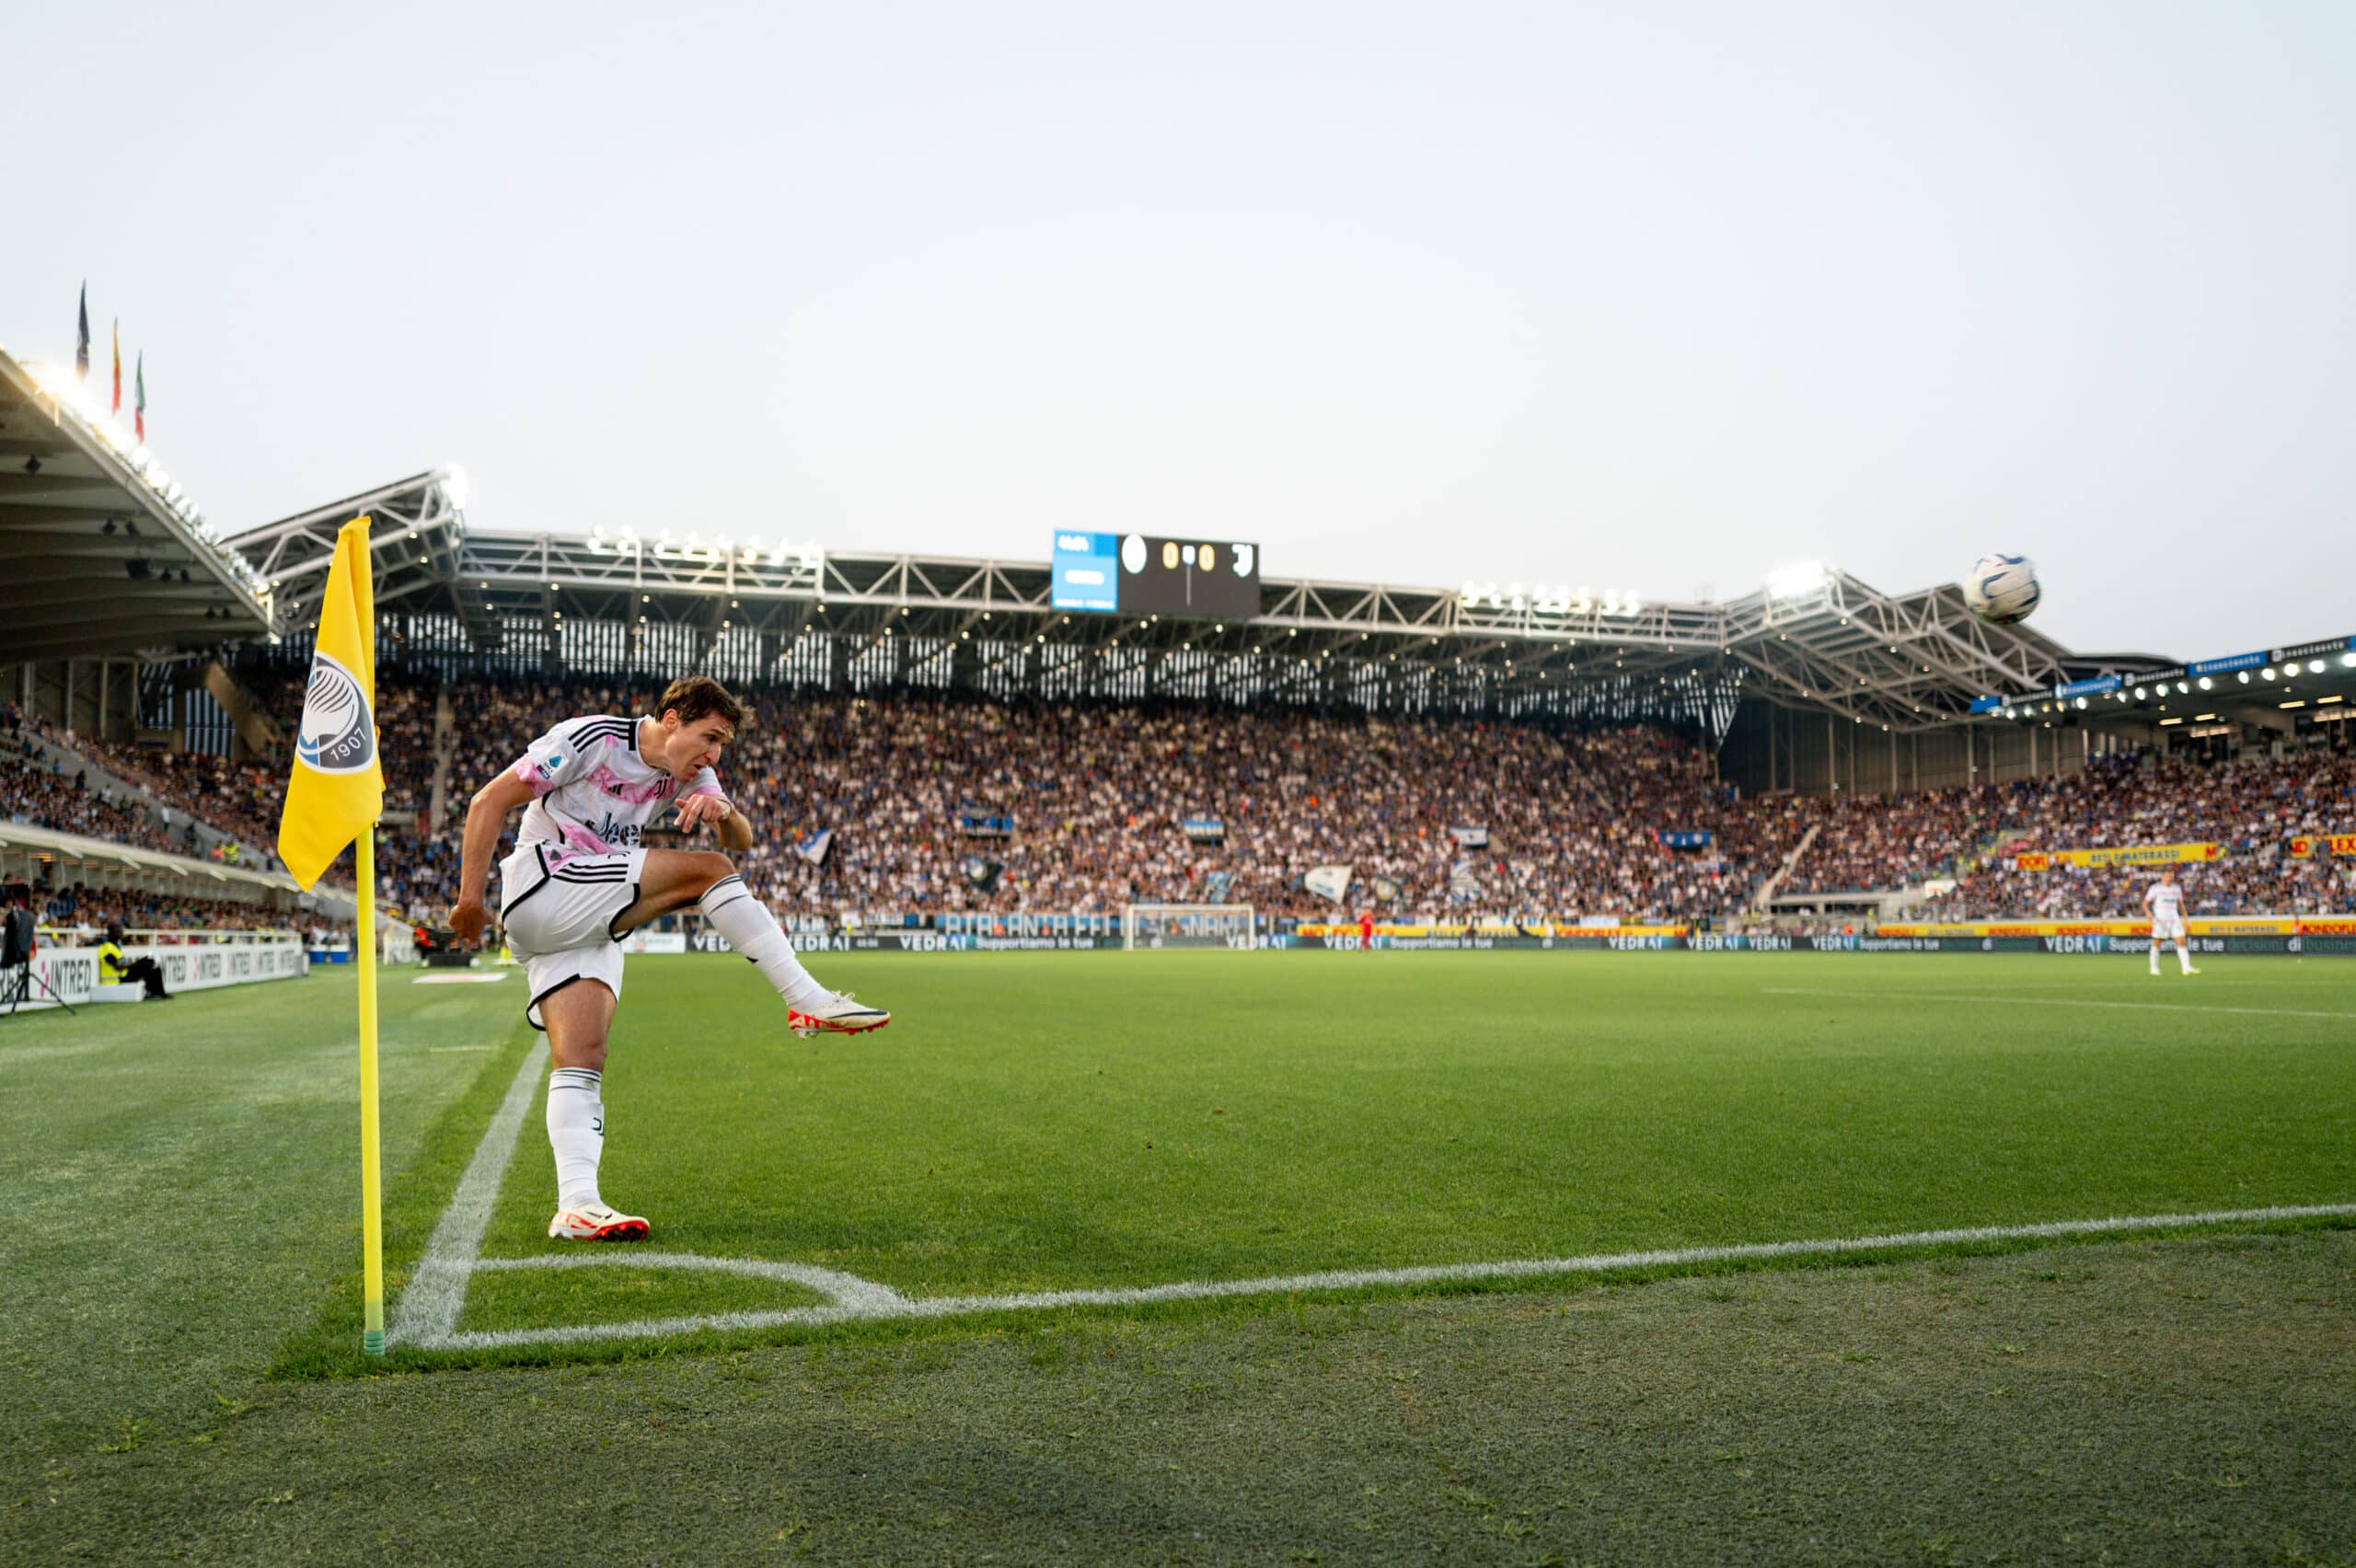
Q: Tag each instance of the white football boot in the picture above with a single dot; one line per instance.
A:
(838, 1014)
(596, 1222)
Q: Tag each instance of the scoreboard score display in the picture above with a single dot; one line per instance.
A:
(1141, 574)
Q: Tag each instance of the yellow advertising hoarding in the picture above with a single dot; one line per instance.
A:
(2136, 855)
(2219, 925)
(2307, 844)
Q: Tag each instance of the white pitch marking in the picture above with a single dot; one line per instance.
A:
(1976, 997)
(466, 977)
(439, 1048)
(848, 1290)
(1340, 1279)
(436, 1293)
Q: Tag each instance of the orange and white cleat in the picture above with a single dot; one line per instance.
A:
(838, 1014)
(596, 1222)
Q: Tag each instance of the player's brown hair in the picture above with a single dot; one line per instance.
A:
(699, 697)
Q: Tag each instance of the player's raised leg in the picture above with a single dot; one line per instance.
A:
(578, 1016)
(674, 879)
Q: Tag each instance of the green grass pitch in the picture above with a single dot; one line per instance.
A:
(184, 1191)
(1034, 1123)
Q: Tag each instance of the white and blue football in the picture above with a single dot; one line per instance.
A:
(2003, 589)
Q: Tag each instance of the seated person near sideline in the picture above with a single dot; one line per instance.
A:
(112, 971)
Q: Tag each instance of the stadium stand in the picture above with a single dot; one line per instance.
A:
(1098, 792)
(38, 787)
(1631, 759)
(2250, 807)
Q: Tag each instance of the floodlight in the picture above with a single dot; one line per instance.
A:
(2206, 683)
(2315, 666)
(2268, 672)
(2141, 693)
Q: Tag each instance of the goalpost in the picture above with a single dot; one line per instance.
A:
(1152, 925)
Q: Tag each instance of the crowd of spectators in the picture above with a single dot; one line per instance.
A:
(2251, 808)
(1580, 822)
(84, 912)
(1098, 793)
(41, 790)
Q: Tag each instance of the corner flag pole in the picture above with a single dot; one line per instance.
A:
(335, 792)
(372, 1180)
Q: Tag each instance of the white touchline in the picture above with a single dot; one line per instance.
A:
(436, 1293)
(1976, 997)
(427, 1317)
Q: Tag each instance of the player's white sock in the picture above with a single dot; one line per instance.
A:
(2183, 956)
(2155, 957)
(577, 1133)
(746, 925)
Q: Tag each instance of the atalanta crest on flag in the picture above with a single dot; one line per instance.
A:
(338, 733)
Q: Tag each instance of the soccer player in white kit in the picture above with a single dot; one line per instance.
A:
(2164, 900)
(579, 882)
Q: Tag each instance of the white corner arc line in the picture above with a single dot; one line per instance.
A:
(1976, 998)
(864, 1296)
(436, 1292)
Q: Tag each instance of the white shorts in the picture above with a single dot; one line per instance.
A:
(2167, 930)
(560, 919)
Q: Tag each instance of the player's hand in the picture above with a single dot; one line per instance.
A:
(697, 809)
(467, 918)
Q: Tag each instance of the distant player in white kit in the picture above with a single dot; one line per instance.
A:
(579, 882)
(2165, 901)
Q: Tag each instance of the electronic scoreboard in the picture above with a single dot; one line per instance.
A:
(1140, 574)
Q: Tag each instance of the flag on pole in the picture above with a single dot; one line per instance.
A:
(333, 798)
(139, 405)
(118, 367)
(82, 338)
(337, 786)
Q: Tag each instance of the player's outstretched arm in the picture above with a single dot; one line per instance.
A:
(485, 814)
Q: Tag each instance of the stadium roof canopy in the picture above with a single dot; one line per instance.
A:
(79, 855)
(1814, 639)
(100, 550)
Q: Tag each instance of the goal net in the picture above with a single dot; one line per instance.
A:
(1187, 926)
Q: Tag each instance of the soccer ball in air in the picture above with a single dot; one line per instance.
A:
(2002, 588)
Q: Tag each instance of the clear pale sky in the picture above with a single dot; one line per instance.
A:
(1661, 295)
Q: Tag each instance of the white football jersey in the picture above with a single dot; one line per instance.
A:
(2166, 901)
(592, 793)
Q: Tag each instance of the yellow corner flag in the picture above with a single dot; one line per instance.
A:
(338, 788)
(333, 798)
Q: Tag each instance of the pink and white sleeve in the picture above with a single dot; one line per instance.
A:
(550, 763)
